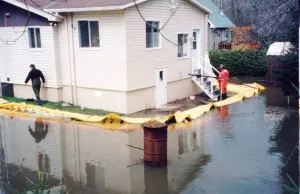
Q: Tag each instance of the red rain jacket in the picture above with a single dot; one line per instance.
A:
(223, 80)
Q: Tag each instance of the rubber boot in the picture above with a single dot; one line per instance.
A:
(38, 102)
(224, 96)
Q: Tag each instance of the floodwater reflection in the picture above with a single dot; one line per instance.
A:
(40, 130)
(225, 151)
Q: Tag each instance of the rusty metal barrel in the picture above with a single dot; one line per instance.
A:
(155, 143)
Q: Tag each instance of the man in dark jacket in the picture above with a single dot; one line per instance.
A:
(35, 76)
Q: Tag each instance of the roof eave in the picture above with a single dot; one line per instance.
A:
(39, 12)
(211, 24)
(199, 5)
(116, 8)
(224, 26)
(107, 8)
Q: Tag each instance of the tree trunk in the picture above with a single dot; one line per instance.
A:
(234, 11)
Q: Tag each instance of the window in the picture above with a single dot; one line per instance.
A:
(183, 48)
(88, 33)
(161, 75)
(194, 40)
(34, 35)
(227, 34)
(152, 34)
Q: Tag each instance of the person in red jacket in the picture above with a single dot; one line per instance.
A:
(223, 80)
(223, 112)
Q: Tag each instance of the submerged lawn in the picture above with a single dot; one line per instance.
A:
(59, 106)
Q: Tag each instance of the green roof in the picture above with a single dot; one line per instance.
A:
(217, 19)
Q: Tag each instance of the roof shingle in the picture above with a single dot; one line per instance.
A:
(219, 20)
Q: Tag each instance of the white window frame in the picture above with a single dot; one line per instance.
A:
(189, 45)
(159, 36)
(79, 35)
(35, 38)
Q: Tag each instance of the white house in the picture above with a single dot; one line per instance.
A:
(107, 55)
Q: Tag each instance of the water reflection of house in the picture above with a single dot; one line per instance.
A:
(19, 148)
(92, 160)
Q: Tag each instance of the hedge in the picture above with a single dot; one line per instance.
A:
(241, 63)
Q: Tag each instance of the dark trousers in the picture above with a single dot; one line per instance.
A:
(36, 90)
(224, 96)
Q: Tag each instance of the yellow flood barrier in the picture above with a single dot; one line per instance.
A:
(241, 93)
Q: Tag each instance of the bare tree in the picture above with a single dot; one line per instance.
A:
(275, 20)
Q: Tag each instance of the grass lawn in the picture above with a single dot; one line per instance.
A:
(59, 106)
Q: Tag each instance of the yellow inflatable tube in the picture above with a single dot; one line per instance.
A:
(241, 93)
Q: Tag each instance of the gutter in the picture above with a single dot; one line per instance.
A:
(105, 8)
(121, 7)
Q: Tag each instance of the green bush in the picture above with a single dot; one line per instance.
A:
(241, 63)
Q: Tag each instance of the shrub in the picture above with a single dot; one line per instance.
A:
(241, 63)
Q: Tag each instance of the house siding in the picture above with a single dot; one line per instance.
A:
(19, 17)
(57, 57)
(95, 68)
(15, 58)
(142, 63)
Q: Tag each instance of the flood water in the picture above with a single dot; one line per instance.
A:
(244, 148)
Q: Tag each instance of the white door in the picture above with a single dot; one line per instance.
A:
(161, 87)
(196, 49)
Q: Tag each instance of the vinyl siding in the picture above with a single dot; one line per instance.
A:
(142, 63)
(64, 40)
(98, 68)
(16, 58)
(57, 56)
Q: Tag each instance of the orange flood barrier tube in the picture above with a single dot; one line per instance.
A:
(241, 93)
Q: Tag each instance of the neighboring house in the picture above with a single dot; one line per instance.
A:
(219, 25)
(102, 54)
(276, 51)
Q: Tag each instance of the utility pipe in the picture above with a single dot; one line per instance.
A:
(74, 64)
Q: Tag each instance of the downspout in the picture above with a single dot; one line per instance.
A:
(69, 53)
(74, 65)
(205, 34)
(205, 40)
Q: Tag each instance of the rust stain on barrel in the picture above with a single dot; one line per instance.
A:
(155, 143)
